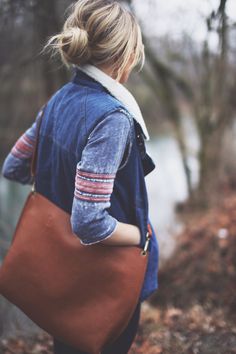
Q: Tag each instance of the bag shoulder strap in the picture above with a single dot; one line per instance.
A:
(35, 148)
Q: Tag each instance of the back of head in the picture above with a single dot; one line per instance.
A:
(99, 32)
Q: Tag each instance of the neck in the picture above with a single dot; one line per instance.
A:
(107, 70)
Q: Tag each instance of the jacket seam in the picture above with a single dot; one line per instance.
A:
(85, 112)
(130, 137)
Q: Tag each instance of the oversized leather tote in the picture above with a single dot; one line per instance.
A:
(82, 295)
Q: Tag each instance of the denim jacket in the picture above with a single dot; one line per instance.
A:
(91, 162)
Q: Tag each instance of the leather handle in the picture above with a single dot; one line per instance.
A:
(35, 150)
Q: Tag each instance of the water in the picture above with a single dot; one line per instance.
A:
(166, 185)
(12, 196)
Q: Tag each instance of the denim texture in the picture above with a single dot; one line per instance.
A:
(92, 163)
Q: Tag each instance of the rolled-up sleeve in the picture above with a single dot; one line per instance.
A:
(16, 166)
(95, 175)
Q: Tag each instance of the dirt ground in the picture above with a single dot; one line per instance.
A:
(194, 309)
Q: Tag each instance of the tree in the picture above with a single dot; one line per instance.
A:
(210, 96)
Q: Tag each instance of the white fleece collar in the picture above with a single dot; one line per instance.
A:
(119, 91)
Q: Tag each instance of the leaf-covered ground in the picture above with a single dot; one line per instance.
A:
(194, 309)
(195, 305)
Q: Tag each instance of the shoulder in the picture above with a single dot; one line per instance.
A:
(102, 103)
(115, 125)
(118, 117)
(119, 132)
(111, 139)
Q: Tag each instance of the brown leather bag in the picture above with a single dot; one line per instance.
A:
(82, 295)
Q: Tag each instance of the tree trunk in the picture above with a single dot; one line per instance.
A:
(46, 24)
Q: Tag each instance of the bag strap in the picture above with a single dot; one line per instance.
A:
(35, 149)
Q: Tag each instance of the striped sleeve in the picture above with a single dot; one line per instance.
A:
(16, 166)
(94, 187)
(95, 176)
(23, 147)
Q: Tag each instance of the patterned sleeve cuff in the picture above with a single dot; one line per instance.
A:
(16, 166)
(94, 187)
(23, 147)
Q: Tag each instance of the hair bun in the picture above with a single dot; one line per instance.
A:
(75, 45)
(99, 32)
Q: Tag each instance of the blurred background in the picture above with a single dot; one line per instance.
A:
(186, 92)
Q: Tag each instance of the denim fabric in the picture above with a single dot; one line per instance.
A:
(88, 168)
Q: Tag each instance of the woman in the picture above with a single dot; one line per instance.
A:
(92, 158)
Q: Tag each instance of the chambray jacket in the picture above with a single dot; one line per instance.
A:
(92, 163)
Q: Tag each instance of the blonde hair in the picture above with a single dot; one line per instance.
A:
(99, 32)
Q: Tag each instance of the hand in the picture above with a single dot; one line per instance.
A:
(124, 235)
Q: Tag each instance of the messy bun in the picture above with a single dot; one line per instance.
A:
(99, 32)
(74, 45)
